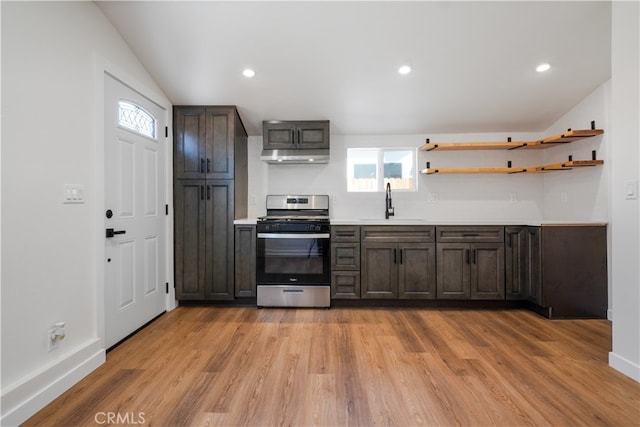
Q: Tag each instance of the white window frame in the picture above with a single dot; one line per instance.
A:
(380, 182)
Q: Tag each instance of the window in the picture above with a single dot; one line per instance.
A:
(137, 119)
(370, 169)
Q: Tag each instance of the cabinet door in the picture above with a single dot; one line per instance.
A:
(219, 139)
(453, 261)
(245, 261)
(379, 271)
(417, 271)
(278, 135)
(534, 265)
(516, 262)
(189, 148)
(487, 271)
(574, 271)
(313, 134)
(219, 234)
(189, 203)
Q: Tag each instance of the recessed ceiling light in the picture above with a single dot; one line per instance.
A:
(543, 67)
(405, 69)
(248, 73)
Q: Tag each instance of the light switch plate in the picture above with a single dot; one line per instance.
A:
(73, 193)
(631, 190)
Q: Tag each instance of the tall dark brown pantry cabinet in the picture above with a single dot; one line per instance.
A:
(210, 191)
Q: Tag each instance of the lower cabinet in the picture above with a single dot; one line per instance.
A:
(245, 261)
(561, 269)
(523, 263)
(568, 270)
(204, 239)
(345, 262)
(533, 256)
(470, 271)
(470, 262)
(398, 262)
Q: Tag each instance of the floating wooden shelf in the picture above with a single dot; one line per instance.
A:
(562, 138)
(461, 146)
(546, 168)
(430, 171)
(552, 141)
(566, 165)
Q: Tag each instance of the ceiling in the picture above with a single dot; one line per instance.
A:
(473, 63)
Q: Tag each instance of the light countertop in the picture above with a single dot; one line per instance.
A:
(418, 221)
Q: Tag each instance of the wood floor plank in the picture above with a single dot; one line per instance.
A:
(230, 366)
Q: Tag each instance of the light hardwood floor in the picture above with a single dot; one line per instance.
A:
(212, 366)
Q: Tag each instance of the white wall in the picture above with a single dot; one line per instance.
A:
(466, 197)
(481, 197)
(48, 249)
(625, 214)
(583, 193)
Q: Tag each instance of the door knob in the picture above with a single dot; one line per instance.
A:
(111, 232)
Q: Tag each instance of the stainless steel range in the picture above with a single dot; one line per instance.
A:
(293, 253)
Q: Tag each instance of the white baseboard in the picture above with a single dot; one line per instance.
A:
(625, 366)
(22, 400)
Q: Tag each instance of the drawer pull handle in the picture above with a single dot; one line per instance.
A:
(470, 235)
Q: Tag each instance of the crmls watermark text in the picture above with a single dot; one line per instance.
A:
(114, 418)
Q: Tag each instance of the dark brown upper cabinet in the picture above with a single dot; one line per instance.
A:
(293, 135)
(206, 139)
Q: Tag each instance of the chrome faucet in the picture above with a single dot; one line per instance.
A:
(388, 211)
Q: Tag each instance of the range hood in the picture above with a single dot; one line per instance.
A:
(305, 156)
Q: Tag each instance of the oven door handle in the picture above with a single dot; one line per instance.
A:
(294, 235)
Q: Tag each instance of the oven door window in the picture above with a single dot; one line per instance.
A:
(293, 260)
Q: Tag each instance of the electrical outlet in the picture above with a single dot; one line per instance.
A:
(513, 198)
(55, 335)
(432, 198)
(52, 343)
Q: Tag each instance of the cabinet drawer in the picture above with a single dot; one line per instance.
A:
(463, 233)
(398, 233)
(345, 285)
(345, 256)
(345, 233)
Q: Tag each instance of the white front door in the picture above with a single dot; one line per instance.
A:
(135, 210)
